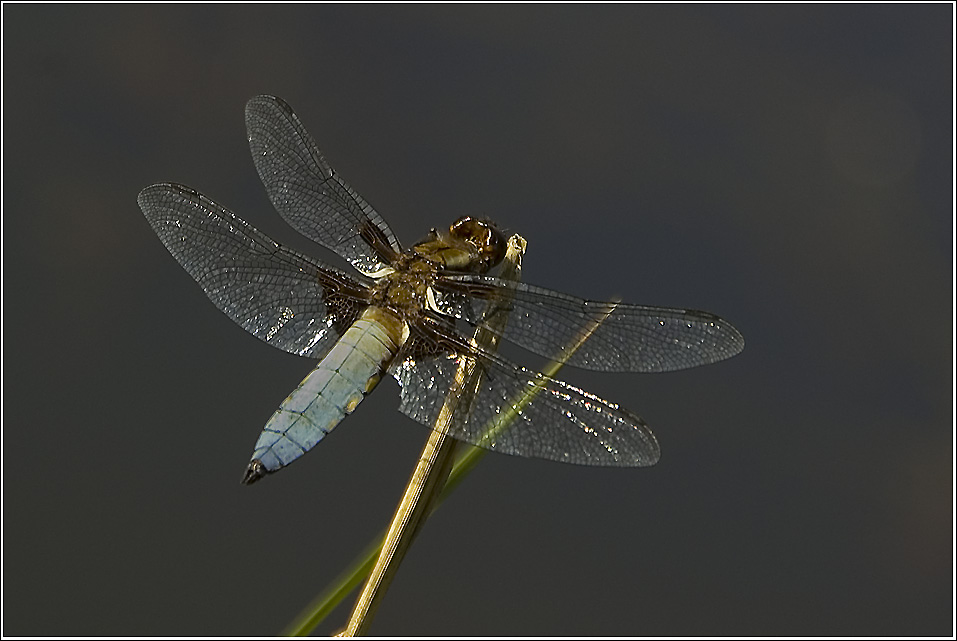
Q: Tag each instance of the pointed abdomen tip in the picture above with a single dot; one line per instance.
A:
(254, 471)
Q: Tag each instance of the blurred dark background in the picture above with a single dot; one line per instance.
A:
(787, 167)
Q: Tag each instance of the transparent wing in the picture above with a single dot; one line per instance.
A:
(283, 298)
(629, 338)
(561, 423)
(307, 192)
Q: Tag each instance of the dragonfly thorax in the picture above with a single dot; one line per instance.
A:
(406, 289)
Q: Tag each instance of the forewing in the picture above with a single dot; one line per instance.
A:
(307, 192)
(623, 338)
(559, 422)
(280, 296)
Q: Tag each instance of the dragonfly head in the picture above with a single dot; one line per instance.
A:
(484, 240)
(470, 245)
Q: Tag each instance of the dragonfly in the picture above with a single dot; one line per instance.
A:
(407, 313)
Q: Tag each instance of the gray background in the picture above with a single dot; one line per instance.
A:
(787, 167)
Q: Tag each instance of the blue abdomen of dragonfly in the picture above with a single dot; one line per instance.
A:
(329, 393)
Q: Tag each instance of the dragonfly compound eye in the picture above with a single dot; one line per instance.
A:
(483, 236)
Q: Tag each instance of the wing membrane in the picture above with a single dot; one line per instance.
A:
(629, 338)
(306, 191)
(273, 292)
(561, 423)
